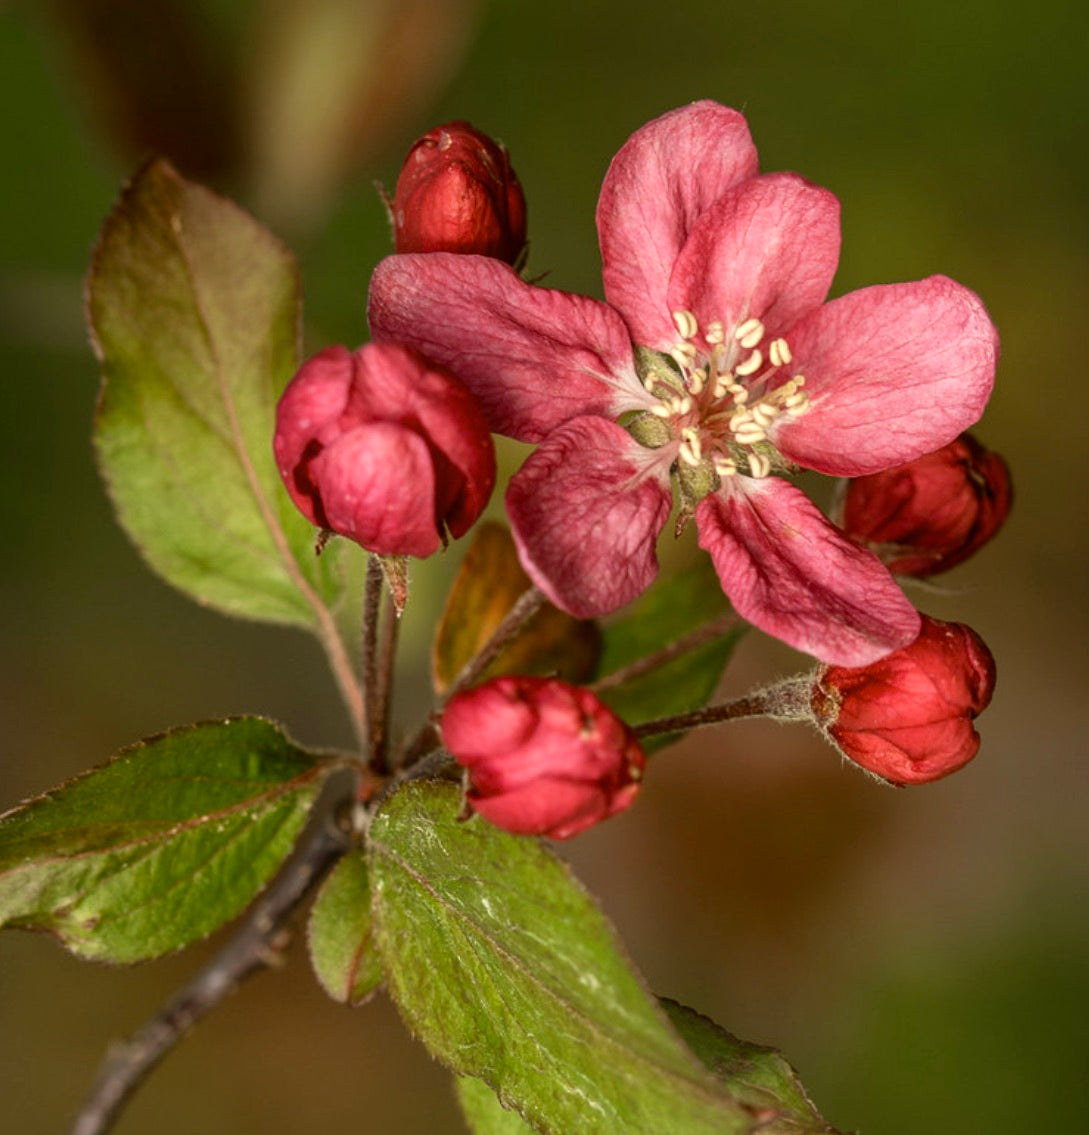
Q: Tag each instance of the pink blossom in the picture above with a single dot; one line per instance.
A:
(934, 512)
(543, 757)
(715, 364)
(909, 717)
(383, 447)
(457, 193)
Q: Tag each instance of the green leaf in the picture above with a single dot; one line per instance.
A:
(489, 582)
(483, 1112)
(507, 971)
(194, 314)
(161, 845)
(674, 607)
(341, 934)
(760, 1077)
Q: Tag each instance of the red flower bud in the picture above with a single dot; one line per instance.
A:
(908, 717)
(930, 514)
(544, 758)
(457, 193)
(384, 447)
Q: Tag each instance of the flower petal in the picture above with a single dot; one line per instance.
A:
(394, 383)
(534, 357)
(666, 174)
(586, 509)
(788, 571)
(768, 248)
(892, 372)
(362, 475)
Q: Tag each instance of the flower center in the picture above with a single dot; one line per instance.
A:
(727, 388)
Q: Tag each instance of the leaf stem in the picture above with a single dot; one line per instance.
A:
(383, 690)
(258, 944)
(692, 641)
(753, 705)
(372, 602)
(525, 607)
(426, 738)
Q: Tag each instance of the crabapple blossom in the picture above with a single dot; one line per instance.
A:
(543, 757)
(714, 365)
(909, 716)
(932, 513)
(384, 447)
(457, 193)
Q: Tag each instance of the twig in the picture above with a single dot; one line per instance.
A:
(697, 638)
(372, 601)
(426, 738)
(755, 705)
(525, 607)
(257, 945)
(383, 690)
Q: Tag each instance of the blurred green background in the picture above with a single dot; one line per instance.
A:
(922, 956)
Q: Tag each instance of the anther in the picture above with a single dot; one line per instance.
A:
(749, 333)
(749, 433)
(779, 352)
(680, 405)
(690, 450)
(725, 466)
(686, 324)
(763, 414)
(716, 333)
(751, 365)
(759, 465)
(661, 411)
(696, 381)
(682, 354)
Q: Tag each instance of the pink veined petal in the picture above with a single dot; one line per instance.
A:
(533, 357)
(663, 178)
(394, 383)
(788, 571)
(586, 509)
(768, 248)
(892, 372)
(360, 476)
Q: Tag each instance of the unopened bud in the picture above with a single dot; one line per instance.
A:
(932, 513)
(909, 716)
(457, 193)
(543, 757)
(385, 448)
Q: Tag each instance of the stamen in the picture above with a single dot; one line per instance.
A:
(759, 465)
(716, 333)
(749, 333)
(680, 405)
(661, 411)
(749, 433)
(763, 414)
(682, 354)
(797, 404)
(686, 324)
(725, 466)
(752, 364)
(696, 381)
(691, 451)
(779, 352)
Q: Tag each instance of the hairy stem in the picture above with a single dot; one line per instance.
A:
(754, 705)
(372, 603)
(525, 607)
(258, 944)
(697, 638)
(383, 690)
